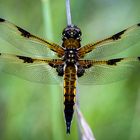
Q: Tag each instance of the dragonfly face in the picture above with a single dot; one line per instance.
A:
(71, 31)
(72, 63)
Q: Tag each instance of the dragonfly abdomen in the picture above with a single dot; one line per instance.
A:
(69, 93)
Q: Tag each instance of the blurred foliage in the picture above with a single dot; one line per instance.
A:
(112, 111)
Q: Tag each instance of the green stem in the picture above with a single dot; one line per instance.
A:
(47, 19)
(56, 133)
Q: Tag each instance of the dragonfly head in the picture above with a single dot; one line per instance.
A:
(71, 31)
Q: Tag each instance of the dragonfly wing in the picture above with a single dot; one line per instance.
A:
(104, 72)
(112, 45)
(35, 70)
(25, 41)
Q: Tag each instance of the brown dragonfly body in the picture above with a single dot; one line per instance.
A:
(87, 64)
(69, 69)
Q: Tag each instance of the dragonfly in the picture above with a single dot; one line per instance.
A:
(69, 63)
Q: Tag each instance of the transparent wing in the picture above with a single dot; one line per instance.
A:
(27, 42)
(112, 45)
(35, 70)
(104, 72)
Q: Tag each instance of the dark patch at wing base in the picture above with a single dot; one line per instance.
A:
(26, 59)
(2, 20)
(118, 35)
(114, 61)
(23, 32)
(138, 24)
(139, 58)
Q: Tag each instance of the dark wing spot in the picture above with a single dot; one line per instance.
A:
(138, 24)
(52, 65)
(139, 58)
(118, 35)
(87, 66)
(114, 61)
(26, 59)
(2, 20)
(0, 53)
(23, 32)
(60, 70)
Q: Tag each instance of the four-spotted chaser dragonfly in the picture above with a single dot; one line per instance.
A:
(73, 63)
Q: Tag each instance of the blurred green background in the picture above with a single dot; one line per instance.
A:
(32, 111)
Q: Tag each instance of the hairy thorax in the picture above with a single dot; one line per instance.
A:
(71, 46)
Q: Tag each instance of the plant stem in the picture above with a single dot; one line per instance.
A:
(68, 12)
(56, 133)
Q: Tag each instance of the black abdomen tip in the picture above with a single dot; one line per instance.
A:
(68, 127)
(2, 20)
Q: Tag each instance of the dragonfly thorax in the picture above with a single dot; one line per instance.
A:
(71, 56)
